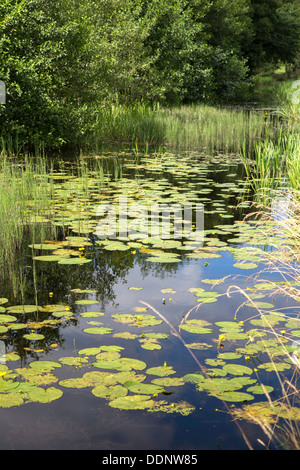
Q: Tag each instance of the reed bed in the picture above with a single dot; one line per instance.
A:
(195, 127)
(25, 193)
(280, 215)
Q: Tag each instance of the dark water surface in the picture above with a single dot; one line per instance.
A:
(80, 420)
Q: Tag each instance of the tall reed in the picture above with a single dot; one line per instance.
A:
(279, 418)
(24, 203)
(197, 127)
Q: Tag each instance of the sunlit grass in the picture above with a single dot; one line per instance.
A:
(197, 127)
(279, 417)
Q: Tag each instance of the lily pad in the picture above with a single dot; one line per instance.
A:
(241, 265)
(34, 336)
(237, 369)
(38, 394)
(98, 330)
(74, 261)
(7, 400)
(23, 309)
(44, 365)
(86, 302)
(132, 402)
(236, 396)
(109, 392)
(161, 371)
(143, 388)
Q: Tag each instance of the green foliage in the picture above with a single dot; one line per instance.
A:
(66, 63)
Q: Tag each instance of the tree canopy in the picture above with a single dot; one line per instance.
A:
(63, 60)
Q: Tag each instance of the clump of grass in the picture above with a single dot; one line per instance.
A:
(289, 106)
(195, 127)
(135, 123)
(213, 129)
(279, 420)
(24, 202)
(274, 164)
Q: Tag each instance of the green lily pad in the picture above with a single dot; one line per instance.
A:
(256, 304)
(7, 400)
(161, 371)
(236, 396)
(23, 309)
(73, 361)
(98, 330)
(34, 336)
(92, 314)
(86, 302)
(132, 402)
(89, 351)
(7, 318)
(109, 392)
(196, 326)
(74, 261)
(139, 320)
(259, 390)
(47, 258)
(275, 366)
(45, 246)
(38, 394)
(44, 365)
(237, 369)
(241, 265)
(143, 388)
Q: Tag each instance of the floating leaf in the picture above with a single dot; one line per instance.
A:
(259, 390)
(237, 369)
(86, 302)
(74, 261)
(73, 361)
(91, 314)
(235, 396)
(196, 326)
(44, 365)
(47, 258)
(23, 309)
(161, 371)
(272, 366)
(7, 318)
(41, 395)
(34, 336)
(132, 402)
(7, 400)
(89, 351)
(109, 392)
(241, 265)
(100, 330)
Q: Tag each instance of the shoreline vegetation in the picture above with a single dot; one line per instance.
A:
(170, 83)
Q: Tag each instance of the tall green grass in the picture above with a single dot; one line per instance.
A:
(197, 127)
(24, 203)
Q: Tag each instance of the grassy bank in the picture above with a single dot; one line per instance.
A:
(197, 127)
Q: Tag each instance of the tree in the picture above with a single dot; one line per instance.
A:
(218, 72)
(276, 32)
(37, 48)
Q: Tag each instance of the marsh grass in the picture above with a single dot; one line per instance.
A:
(25, 195)
(274, 164)
(200, 127)
(279, 420)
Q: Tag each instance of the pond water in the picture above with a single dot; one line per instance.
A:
(132, 343)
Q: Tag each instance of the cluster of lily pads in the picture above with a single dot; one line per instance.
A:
(236, 374)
